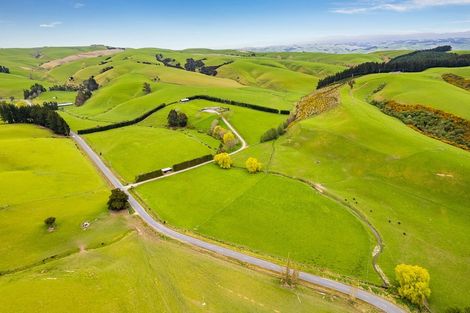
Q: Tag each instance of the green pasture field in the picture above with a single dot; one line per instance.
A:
(269, 214)
(141, 273)
(426, 88)
(135, 150)
(40, 176)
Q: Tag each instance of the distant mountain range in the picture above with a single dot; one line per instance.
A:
(365, 44)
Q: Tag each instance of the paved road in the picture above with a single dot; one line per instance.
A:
(365, 296)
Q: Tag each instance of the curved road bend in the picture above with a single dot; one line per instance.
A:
(365, 296)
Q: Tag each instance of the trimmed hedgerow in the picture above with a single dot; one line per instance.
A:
(240, 104)
(191, 163)
(147, 176)
(121, 124)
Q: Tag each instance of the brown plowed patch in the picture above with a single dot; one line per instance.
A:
(84, 55)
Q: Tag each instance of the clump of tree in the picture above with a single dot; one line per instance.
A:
(193, 65)
(413, 283)
(218, 132)
(146, 88)
(50, 223)
(85, 90)
(52, 105)
(118, 200)
(64, 88)
(223, 160)
(177, 119)
(45, 116)
(34, 91)
(229, 140)
(168, 61)
(90, 84)
(432, 122)
(83, 95)
(4, 69)
(105, 69)
(253, 165)
(457, 80)
(416, 61)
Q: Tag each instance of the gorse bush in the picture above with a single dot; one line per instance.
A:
(435, 123)
(317, 102)
(457, 80)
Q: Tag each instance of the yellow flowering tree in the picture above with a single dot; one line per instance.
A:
(223, 160)
(253, 165)
(414, 283)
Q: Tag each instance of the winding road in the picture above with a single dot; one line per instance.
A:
(363, 295)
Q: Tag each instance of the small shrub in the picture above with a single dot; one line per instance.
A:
(146, 88)
(50, 222)
(253, 165)
(270, 134)
(223, 160)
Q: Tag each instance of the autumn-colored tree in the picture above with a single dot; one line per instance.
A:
(223, 160)
(253, 165)
(414, 283)
(229, 140)
(219, 132)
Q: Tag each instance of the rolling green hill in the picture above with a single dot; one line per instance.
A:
(325, 183)
(411, 187)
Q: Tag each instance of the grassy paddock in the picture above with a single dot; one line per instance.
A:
(269, 214)
(134, 150)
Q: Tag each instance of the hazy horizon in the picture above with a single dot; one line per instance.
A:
(212, 24)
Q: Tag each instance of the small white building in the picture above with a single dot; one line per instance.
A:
(167, 170)
(184, 100)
